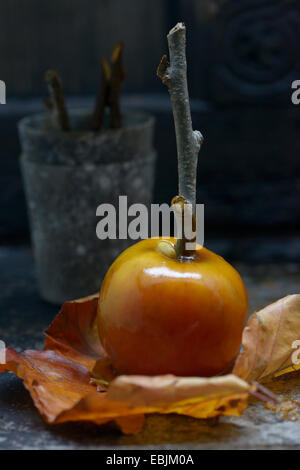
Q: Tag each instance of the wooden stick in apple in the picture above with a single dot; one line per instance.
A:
(174, 75)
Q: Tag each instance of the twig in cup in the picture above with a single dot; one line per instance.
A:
(117, 77)
(109, 91)
(57, 100)
(103, 95)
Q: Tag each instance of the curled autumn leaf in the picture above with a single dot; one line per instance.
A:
(62, 380)
(74, 333)
(72, 380)
(269, 340)
(61, 390)
(55, 383)
(192, 396)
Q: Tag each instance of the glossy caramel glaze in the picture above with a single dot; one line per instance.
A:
(158, 315)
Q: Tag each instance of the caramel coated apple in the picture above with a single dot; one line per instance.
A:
(160, 315)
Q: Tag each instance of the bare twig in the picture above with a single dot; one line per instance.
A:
(117, 77)
(103, 95)
(109, 91)
(57, 99)
(162, 70)
(173, 75)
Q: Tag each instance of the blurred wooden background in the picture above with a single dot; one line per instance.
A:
(238, 50)
(73, 35)
(242, 58)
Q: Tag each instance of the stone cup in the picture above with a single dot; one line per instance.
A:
(67, 175)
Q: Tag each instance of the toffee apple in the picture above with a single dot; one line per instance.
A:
(159, 314)
(165, 308)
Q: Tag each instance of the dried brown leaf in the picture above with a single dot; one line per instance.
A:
(192, 396)
(74, 334)
(59, 380)
(61, 390)
(54, 382)
(268, 341)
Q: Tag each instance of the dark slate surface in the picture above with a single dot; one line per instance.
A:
(23, 317)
